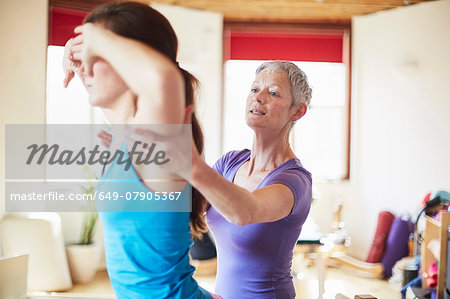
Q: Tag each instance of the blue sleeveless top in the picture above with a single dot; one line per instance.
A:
(147, 253)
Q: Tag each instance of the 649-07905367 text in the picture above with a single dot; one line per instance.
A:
(102, 196)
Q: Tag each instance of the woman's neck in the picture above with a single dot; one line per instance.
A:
(269, 152)
(122, 110)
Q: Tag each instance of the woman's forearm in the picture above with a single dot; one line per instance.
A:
(236, 204)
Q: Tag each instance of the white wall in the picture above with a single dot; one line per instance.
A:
(23, 40)
(401, 114)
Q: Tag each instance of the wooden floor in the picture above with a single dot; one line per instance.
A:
(344, 282)
(306, 284)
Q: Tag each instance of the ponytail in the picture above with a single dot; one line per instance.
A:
(198, 224)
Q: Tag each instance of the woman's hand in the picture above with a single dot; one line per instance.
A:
(84, 45)
(70, 65)
(79, 53)
(176, 147)
(105, 138)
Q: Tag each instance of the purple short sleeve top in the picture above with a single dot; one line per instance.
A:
(254, 260)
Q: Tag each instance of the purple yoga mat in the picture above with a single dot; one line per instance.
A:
(396, 244)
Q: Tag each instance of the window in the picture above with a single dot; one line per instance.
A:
(320, 139)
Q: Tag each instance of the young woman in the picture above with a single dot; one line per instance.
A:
(125, 54)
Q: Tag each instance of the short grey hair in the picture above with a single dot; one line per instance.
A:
(300, 90)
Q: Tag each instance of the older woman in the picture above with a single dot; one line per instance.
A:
(261, 197)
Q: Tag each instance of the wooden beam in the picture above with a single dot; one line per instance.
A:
(299, 11)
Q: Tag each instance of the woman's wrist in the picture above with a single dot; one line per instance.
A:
(198, 169)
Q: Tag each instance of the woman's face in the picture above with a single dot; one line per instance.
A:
(269, 102)
(104, 86)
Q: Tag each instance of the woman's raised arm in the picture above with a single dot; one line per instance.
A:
(153, 77)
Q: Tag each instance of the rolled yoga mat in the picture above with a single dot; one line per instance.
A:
(396, 244)
(377, 249)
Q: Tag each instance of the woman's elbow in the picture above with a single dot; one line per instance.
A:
(242, 219)
(243, 216)
(171, 76)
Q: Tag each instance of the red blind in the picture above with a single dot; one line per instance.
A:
(286, 46)
(242, 45)
(62, 23)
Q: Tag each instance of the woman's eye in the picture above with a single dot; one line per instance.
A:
(253, 90)
(272, 93)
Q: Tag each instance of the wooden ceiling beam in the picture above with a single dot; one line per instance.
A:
(304, 11)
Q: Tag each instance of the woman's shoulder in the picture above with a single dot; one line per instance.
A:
(231, 159)
(293, 167)
(294, 176)
(236, 154)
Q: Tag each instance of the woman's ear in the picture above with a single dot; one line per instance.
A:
(301, 110)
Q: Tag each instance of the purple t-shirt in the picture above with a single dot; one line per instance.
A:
(254, 260)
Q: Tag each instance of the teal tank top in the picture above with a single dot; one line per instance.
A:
(147, 253)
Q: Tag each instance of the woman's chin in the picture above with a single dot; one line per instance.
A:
(254, 124)
(94, 102)
(91, 101)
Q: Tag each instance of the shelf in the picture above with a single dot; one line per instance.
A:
(436, 230)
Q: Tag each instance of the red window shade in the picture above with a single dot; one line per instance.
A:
(286, 46)
(62, 23)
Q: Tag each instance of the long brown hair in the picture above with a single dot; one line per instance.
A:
(140, 22)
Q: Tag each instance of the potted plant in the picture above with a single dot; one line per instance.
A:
(84, 256)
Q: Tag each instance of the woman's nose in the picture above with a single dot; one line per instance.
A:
(260, 97)
(83, 71)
